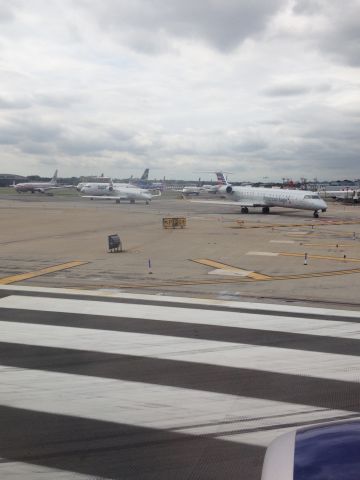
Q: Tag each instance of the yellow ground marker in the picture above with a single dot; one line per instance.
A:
(237, 280)
(230, 268)
(37, 273)
(335, 245)
(241, 224)
(321, 257)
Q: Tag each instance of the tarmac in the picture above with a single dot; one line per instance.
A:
(182, 356)
(61, 241)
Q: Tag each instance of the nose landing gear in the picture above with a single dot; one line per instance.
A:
(316, 215)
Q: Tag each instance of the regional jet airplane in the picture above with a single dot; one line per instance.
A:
(40, 187)
(266, 198)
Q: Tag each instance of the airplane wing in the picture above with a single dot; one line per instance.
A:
(230, 203)
(106, 197)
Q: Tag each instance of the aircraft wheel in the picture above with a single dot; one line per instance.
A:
(117, 200)
(316, 215)
(147, 202)
(266, 210)
(132, 201)
(244, 210)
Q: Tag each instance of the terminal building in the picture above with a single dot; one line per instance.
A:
(7, 179)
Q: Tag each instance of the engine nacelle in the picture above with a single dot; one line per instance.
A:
(229, 189)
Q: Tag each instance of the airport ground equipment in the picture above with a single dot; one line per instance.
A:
(174, 222)
(114, 243)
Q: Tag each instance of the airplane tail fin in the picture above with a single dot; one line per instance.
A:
(221, 180)
(145, 175)
(54, 178)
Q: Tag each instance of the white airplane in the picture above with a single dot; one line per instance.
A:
(349, 194)
(117, 192)
(196, 190)
(266, 198)
(40, 187)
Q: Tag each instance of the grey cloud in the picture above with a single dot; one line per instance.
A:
(286, 90)
(14, 104)
(23, 131)
(341, 38)
(6, 12)
(283, 90)
(146, 24)
(308, 6)
(54, 100)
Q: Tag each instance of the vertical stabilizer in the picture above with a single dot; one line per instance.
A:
(54, 178)
(145, 175)
(221, 180)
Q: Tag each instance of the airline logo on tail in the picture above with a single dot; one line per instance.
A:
(221, 180)
(145, 175)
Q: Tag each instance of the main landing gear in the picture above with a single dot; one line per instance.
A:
(244, 210)
(266, 210)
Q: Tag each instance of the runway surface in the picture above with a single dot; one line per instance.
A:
(150, 387)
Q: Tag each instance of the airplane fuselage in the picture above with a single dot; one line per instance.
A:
(273, 197)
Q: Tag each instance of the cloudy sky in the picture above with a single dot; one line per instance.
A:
(260, 88)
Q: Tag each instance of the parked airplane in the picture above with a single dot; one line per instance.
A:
(348, 195)
(117, 192)
(40, 187)
(145, 183)
(221, 180)
(196, 190)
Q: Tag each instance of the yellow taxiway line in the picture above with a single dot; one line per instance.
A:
(241, 224)
(37, 273)
(237, 280)
(223, 266)
(335, 245)
(320, 257)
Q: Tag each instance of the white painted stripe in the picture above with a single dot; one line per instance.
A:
(271, 359)
(188, 301)
(10, 470)
(233, 273)
(264, 254)
(331, 328)
(181, 410)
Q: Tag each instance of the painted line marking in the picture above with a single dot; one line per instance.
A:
(241, 224)
(165, 299)
(234, 319)
(223, 266)
(321, 257)
(332, 366)
(234, 273)
(37, 273)
(121, 402)
(314, 257)
(335, 245)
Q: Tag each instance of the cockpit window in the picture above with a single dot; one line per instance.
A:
(315, 196)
